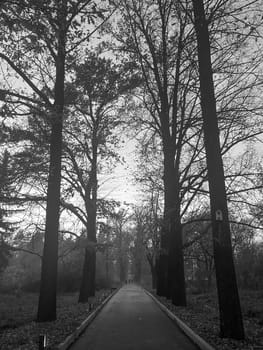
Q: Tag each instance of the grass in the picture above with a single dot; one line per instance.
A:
(19, 331)
(201, 315)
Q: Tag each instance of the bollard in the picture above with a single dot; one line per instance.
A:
(42, 342)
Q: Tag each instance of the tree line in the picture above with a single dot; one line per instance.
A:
(185, 75)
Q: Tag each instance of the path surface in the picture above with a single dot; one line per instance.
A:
(132, 321)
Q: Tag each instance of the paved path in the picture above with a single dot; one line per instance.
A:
(132, 321)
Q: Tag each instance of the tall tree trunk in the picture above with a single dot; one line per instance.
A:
(84, 286)
(92, 273)
(107, 267)
(88, 282)
(176, 278)
(175, 281)
(92, 252)
(162, 265)
(48, 285)
(87, 287)
(231, 323)
(138, 254)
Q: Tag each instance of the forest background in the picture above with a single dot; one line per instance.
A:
(85, 90)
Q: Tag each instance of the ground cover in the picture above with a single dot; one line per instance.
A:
(201, 315)
(19, 331)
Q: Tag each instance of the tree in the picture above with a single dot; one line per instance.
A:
(121, 241)
(49, 30)
(141, 38)
(138, 249)
(5, 226)
(148, 225)
(231, 324)
(162, 51)
(105, 240)
(101, 88)
(198, 251)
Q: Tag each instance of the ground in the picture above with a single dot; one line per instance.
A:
(201, 315)
(19, 331)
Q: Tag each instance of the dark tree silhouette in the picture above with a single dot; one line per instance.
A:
(231, 324)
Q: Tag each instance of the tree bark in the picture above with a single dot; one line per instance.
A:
(92, 252)
(176, 278)
(174, 287)
(170, 266)
(231, 323)
(88, 282)
(88, 285)
(153, 267)
(84, 286)
(162, 266)
(48, 285)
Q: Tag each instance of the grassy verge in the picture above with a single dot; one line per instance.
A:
(201, 315)
(19, 331)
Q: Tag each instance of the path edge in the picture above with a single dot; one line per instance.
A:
(196, 339)
(73, 336)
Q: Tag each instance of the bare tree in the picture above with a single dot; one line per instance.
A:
(231, 324)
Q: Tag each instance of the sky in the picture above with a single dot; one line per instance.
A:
(120, 185)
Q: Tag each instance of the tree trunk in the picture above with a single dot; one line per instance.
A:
(231, 323)
(162, 266)
(176, 276)
(92, 273)
(175, 283)
(138, 255)
(92, 216)
(84, 286)
(48, 285)
(88, 285)
(107, 267)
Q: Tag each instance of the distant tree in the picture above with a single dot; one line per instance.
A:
(147, 226)
(101, 88)
(105, 241)
(167, 95)
(121, 241)
(138, 249)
